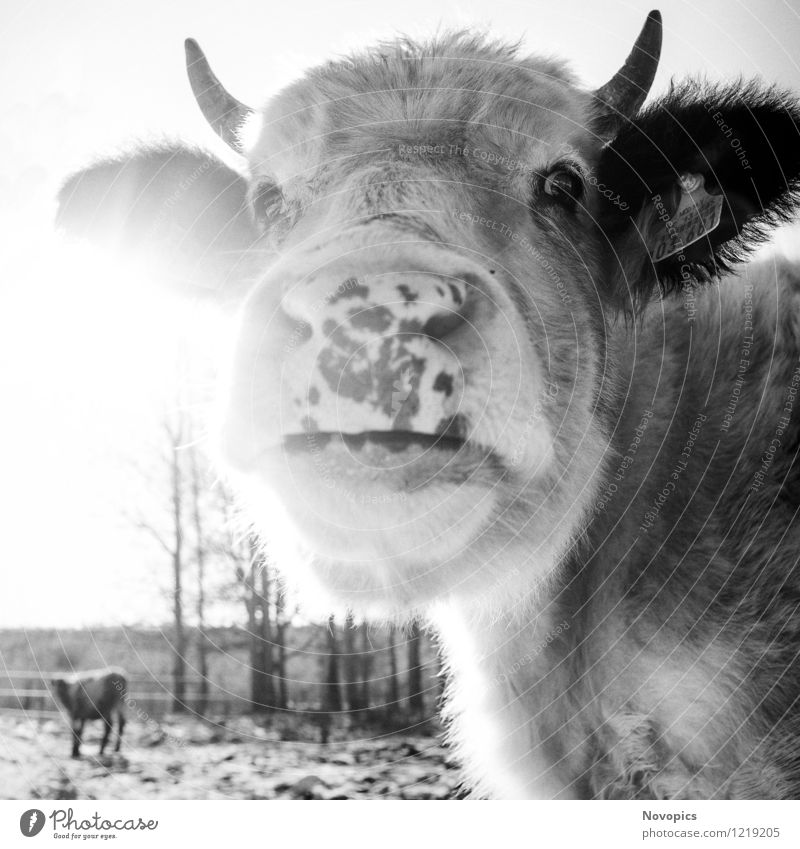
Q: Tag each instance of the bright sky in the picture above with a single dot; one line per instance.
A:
(81, 362)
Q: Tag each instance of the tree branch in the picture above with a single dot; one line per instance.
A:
(143, 526)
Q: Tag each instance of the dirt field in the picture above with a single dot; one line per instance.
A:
(191, 759)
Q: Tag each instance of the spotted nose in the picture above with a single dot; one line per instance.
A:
(376, 353)
(426, 304)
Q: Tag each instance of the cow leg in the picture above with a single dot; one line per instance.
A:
(77, 735)
(106, 733)
(120, 728)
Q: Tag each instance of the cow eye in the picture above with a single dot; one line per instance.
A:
(268, 204)
(563, 184)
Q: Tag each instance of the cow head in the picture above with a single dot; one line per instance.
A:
(440, 243)
(61, 689)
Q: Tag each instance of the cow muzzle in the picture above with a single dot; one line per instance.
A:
(367, 369)
(375, 354)
(376, 396)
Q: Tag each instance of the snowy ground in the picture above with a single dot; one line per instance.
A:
(190, 759)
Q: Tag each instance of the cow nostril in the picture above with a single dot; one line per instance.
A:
(442, 324)
(301, 331)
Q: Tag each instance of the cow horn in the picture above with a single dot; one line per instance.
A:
(621, 97)
(223, 111)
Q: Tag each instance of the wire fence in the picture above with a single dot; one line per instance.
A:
(27, 693)
(354, 675)
(33, 697)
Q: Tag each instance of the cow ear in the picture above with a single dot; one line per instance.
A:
(695, 181)
(177, 213)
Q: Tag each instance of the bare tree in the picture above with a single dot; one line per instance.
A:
(265, 605)
(196, 480)
(166, 472)
(353, 686)
(176, 434)
(331, 687)
(265, 669)
(416, 696)
(172, 542)
(256, 599)
(367, 653)
(394, 678)
(331, 700)
(281, 624)
(195, 524)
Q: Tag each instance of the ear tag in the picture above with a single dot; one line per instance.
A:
(697, 214)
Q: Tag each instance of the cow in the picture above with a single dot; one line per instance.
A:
(93, 694)
(501, 369)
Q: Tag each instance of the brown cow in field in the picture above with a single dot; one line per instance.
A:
(94, 694)
(500, 367)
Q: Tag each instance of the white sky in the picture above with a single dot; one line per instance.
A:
(80, 370)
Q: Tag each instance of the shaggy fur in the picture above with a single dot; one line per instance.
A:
(610, 561)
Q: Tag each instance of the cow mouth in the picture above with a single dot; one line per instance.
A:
(402, 495)
(393, 441)
(397, 460)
